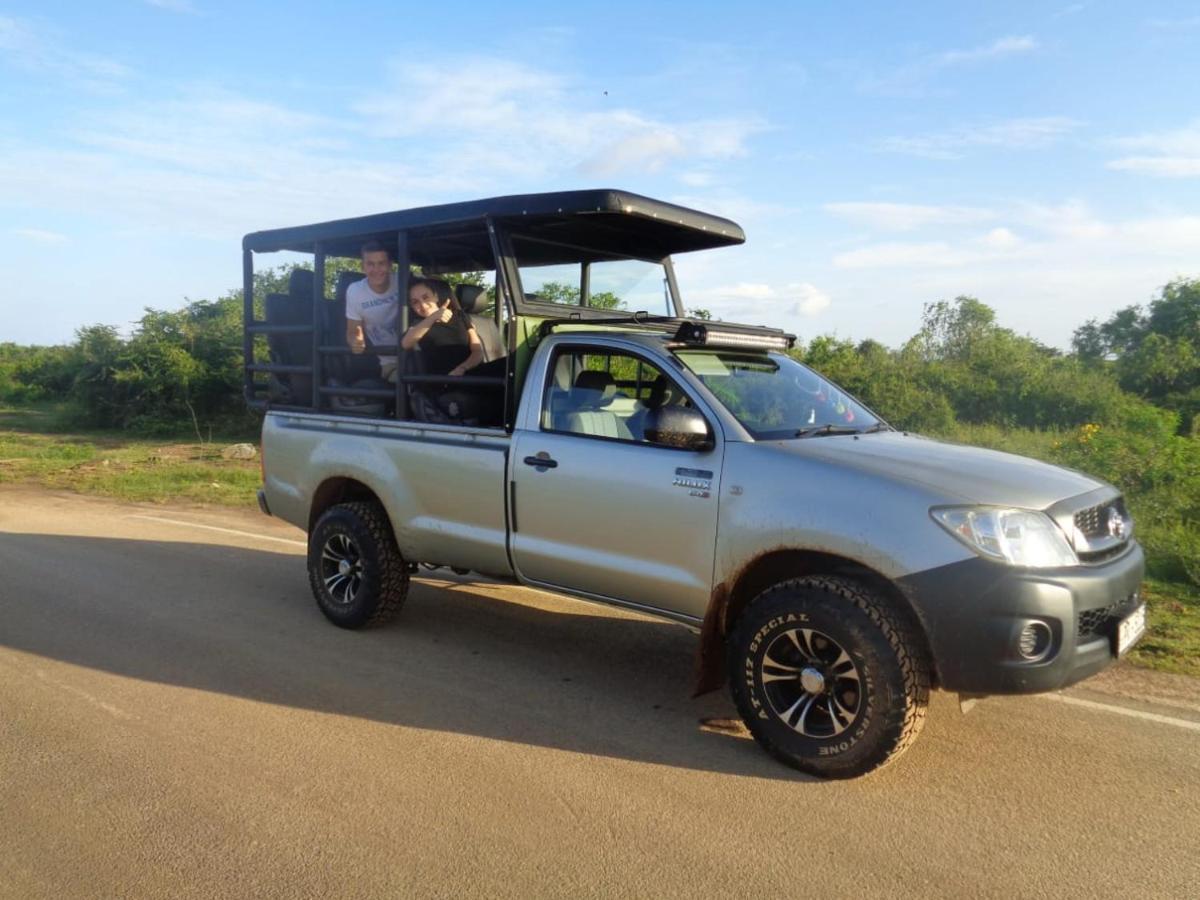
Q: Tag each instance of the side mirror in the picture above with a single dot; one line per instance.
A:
(679, 427)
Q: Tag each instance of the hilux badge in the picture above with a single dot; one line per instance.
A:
(1116, 522)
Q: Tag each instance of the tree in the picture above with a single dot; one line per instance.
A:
(568, 295)
(950, 330)
(1176, 311)
(1156, 353)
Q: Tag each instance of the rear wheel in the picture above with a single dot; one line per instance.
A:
(357, 574)
(828, 678)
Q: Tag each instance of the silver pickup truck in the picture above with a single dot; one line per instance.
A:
(836, 569)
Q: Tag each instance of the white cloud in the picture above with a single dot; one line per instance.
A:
(1175, 24)
(212, 162)
(747, 291)
(1160, 166)
(759, 301)
(1070, 10)
(906, 216)
(1044, 268)
(910, 80)
(904, 255)
(40, 236)
(696, 178)
(808, 300)
(1072, 221)
(997, 49)
(1000, 239)
(1184, 140)
(1065, 232)
(1013, 134)
(1165, 235)
(1166, 154)
(176, 6)
(32, 50)
(512, 118)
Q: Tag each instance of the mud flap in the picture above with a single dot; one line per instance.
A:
(709, 672)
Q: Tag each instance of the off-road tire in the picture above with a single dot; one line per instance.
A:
(828, 677)
(371, 587)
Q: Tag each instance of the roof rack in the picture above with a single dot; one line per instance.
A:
(692, 332)
(637, 318)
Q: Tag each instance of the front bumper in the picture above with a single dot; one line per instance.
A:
(973, 611)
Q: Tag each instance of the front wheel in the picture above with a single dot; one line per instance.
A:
(354, 567)
(828, 678)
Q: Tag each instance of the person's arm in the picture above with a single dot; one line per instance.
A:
(475, 358)
(354, 336)
(415, 332)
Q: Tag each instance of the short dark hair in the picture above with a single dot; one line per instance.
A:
(374, 247)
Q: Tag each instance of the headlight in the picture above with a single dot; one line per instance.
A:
(1019, 537)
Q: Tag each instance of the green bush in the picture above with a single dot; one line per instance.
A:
(1159, 473)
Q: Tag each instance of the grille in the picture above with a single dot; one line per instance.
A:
(1093, 523)
(1102, 622)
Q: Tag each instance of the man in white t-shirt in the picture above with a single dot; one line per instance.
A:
(372, 306)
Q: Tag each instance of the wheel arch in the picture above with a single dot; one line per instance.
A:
(333, 491)
(729, 599)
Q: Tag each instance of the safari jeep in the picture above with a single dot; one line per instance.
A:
(836, 569)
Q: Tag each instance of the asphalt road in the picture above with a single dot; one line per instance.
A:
(178, 720)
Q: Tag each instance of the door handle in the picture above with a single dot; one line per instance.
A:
(541, 461)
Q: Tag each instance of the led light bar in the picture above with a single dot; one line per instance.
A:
(708, 335)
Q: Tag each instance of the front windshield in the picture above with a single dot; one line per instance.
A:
(774, 397)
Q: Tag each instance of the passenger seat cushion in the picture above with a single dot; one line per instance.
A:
(598, 423)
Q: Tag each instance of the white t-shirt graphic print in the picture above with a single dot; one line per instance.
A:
(377, 312)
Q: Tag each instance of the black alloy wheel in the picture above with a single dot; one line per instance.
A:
(356, 572)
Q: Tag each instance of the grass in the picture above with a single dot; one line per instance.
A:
(36, 449)
(1172, 639)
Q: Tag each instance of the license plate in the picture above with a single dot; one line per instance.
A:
(1132, 627)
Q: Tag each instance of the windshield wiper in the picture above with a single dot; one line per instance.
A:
(878, 426)
(823, 430)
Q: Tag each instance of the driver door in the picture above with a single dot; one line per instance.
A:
(600, 510)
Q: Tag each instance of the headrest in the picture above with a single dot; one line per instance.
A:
(284, 309)
(471, 297)
(300, 283)
(599, 383)
(344, 280)
(662, 393)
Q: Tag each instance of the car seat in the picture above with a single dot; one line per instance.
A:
(592, 393)
(293, 309)
(663, 392)
(474, 300)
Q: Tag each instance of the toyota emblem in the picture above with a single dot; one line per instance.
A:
(1116, 523)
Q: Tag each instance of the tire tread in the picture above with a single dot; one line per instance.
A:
(910, 655)
(393, 573)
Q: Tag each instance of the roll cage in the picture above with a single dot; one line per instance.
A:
(305, 339)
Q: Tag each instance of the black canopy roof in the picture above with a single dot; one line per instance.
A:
(563, 226)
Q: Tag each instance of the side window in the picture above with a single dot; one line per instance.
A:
(606, 394)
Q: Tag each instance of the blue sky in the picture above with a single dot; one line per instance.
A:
(1042, 157)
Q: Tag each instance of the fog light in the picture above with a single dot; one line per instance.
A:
(1033, 643)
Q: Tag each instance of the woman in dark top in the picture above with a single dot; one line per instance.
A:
(447, 340)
